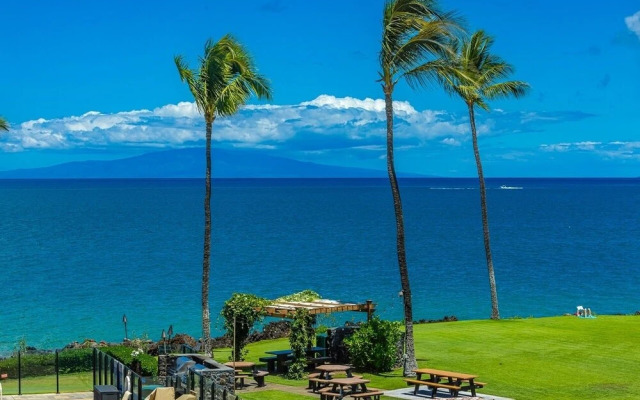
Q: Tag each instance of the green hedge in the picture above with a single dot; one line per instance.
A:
(42, 364)
(149, 363)
(373, 347)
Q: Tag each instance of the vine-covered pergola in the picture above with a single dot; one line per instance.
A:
(242, 310)
(287, 309)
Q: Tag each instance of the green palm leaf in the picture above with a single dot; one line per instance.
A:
(4, 125)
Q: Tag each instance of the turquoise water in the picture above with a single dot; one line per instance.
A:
(77, 255)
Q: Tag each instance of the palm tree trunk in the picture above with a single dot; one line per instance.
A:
(410, 362)
(495, 314)
(206, 325)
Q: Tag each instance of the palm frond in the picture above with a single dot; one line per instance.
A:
(412, 31)
(515, 89)
(225, 80)
(4, 125)
(194, 84)
(474, 73)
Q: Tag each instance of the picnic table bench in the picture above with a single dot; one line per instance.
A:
(453, 381)
(240, 373)
(339, 388)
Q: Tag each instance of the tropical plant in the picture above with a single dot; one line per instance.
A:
(306, 295)
(225, 80)
(301, 339)
(374, 346)
(412, 31)
(4, 125)
(473, 74)
(240, 313)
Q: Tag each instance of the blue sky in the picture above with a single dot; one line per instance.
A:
(96, 80)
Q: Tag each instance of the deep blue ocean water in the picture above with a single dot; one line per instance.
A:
(77, 255)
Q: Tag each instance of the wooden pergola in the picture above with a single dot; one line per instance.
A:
(286, 309)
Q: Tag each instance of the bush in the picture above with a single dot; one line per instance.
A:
(373, 347)
(77, 360)
(149, 364)
(44, 363)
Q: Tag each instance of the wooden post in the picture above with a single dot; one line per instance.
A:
(369, 311)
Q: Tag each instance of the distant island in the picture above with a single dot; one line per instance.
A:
(189, 163)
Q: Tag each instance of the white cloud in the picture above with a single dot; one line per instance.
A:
(353, 122)
(612, 150)
(450, 141)
(633, 23)
(378, 105)
(325, 123)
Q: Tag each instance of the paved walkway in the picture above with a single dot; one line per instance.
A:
(404, 393)
(407, 394)
(51, 396)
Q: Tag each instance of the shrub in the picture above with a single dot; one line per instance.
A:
(373, 347)
(44, 363)
(76, 360)
(149, 364)
(243, 309)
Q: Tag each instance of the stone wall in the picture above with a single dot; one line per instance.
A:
(217, 377)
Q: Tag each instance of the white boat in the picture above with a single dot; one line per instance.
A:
(510, 187)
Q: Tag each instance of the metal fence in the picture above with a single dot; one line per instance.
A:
(52, 372)
(107, 370)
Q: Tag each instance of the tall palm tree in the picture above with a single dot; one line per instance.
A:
(474, 75)
(4, 125)
(412, 31)
(225, 80)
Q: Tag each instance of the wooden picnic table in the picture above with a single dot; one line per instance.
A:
(327, 369)
(239, 371)
(453, 381)
(354, 385)
(240, 364)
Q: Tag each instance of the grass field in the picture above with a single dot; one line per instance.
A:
(77, 382)
(533, 358)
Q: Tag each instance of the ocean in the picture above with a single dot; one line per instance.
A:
(77, 255)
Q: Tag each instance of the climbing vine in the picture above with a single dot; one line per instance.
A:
(305, 295)
(301, 338)
(244, 310)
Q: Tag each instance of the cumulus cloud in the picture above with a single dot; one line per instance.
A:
(326, 123)
(633, 23)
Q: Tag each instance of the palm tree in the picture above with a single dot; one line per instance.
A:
(412, 30)
(473, 74)
(4, 125)
(225, 80)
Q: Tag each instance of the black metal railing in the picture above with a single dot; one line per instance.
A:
(108, 370)
(47, 367)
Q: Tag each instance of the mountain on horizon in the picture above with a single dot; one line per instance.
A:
(190, 163)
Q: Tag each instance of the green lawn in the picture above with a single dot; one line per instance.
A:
(534, 358)
(77, 382)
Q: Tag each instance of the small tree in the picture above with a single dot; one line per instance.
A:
(240, 312)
